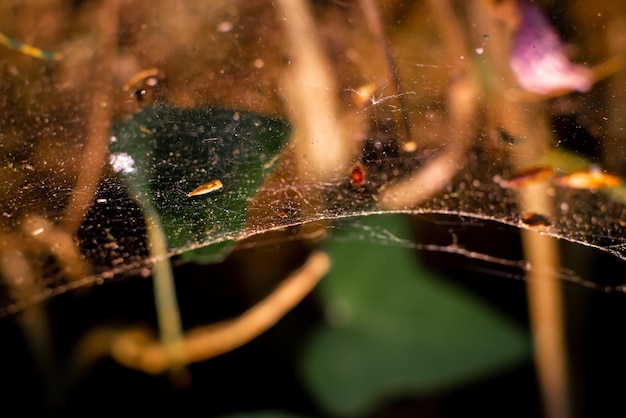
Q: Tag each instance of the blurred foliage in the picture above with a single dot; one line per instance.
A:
(395, 328)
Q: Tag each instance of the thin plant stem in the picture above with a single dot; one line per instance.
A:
(168, 313)
(309, 90)
(438, 173)
(545, 300)
(95, 147)
(137, 349)
(546, 317)
(528, 121)
(374, 21)
(463, 104)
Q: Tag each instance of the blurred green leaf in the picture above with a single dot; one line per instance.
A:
(175, 150)
(565, 161)
(399, 329)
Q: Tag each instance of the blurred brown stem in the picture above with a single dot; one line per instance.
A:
(375, 23)
(463, 106)
(545, 302)
(528, 121)
(137, 349)
(95, 147)
(434, 176)
(309, 91)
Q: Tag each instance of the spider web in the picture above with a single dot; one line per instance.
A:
(41, 171)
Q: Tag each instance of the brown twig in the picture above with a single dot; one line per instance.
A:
(137, 349)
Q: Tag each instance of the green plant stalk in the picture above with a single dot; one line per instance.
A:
(168, 314)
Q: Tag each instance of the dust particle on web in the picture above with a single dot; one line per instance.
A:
(122, 163)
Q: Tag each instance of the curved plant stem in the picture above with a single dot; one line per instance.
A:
(137, 348)
(439, 172)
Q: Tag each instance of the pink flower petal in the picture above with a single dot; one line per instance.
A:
(538, 57)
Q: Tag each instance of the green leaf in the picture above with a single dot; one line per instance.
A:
(175, 150)
(399, 329)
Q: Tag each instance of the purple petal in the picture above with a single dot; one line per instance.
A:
(538, 57)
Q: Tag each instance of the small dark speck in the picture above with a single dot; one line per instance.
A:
(535, 219)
